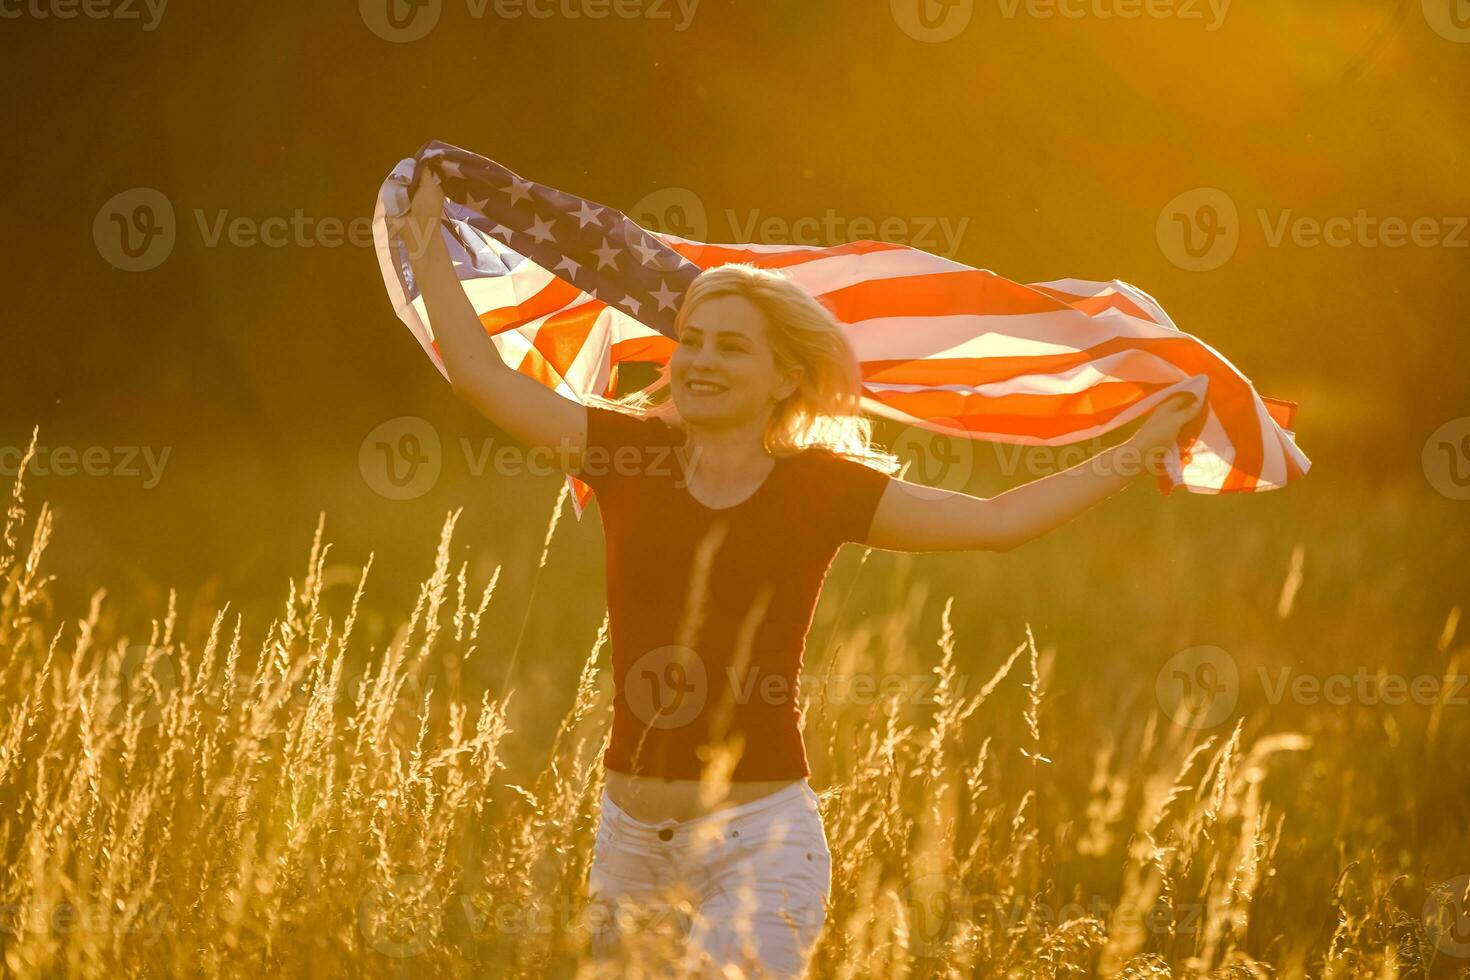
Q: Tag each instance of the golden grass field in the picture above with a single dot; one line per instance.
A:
(290, 799)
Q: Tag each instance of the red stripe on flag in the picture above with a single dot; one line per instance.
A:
(708, 256)
(1093, 305)
(556, 294)
(973, 292)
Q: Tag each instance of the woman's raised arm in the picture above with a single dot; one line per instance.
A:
(912, 517)
(523, 407)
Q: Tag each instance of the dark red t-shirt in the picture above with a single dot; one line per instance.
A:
(708, 609)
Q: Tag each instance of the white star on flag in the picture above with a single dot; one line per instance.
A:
(540, 230)
(606, 255)
(588, 215)
(664, 295)
(518, 189)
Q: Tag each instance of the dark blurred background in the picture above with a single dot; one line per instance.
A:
(262, 369)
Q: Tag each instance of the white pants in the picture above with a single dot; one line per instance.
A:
(746, 885)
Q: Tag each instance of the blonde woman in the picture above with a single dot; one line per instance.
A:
(725, 490)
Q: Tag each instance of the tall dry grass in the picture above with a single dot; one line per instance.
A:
(304, 805)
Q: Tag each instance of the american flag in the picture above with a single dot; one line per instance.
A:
(568, 290)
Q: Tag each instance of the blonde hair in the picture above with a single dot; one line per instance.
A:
(825, 409)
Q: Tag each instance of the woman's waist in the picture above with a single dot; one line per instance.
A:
(653, 799)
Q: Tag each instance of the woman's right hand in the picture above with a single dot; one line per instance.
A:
(1161, 429)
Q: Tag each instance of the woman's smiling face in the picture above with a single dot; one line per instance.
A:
(724, 370)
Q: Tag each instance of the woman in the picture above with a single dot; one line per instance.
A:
(726, 489)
